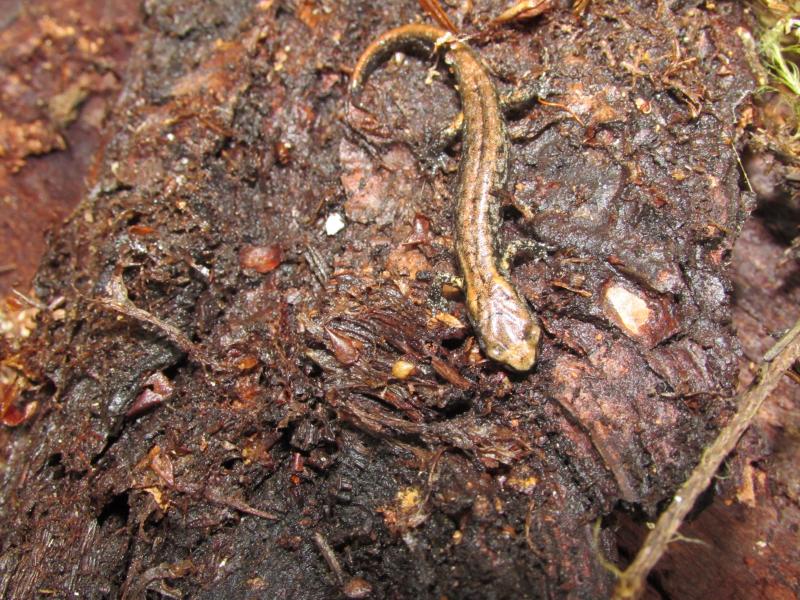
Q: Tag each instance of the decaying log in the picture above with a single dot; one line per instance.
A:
(240, 397)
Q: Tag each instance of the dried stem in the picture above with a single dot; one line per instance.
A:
(776, 362)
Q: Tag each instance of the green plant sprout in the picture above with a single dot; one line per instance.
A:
(780, 48)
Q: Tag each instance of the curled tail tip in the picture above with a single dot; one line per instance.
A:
(354, 99)
(356, 86)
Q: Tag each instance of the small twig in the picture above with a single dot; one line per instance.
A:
(563, 107)
(28, 300)
(118, 301)
(678, 537)
(579, 7)
(163, 468)
(437, 13)
(330, 557)
(524, 9)
(741, 166)
(238, 505)
(678, 65)
(604, 562)
(575, 290)
(781, 344)
(776, 362)
(529, 539)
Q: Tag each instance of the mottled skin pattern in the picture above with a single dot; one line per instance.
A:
(506, 329)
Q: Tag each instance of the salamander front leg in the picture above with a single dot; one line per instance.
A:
(511, 103)
(436, 300)
(521, 99)
(535, 248)
(448, 136)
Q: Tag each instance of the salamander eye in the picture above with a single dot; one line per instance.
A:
(495, 352)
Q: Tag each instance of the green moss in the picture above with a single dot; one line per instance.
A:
(777, 53)
(780, 50)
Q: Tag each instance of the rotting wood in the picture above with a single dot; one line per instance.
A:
(197, 154)
(776, 362)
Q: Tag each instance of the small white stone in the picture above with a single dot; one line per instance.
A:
(631, 311)
(334, 224)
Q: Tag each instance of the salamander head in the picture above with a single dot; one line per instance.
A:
(518, 352)
(508, 331)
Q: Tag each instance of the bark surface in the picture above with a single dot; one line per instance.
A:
(233, 403)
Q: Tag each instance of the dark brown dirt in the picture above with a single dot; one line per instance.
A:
(219, 403)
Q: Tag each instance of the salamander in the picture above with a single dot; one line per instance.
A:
(506, 329)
